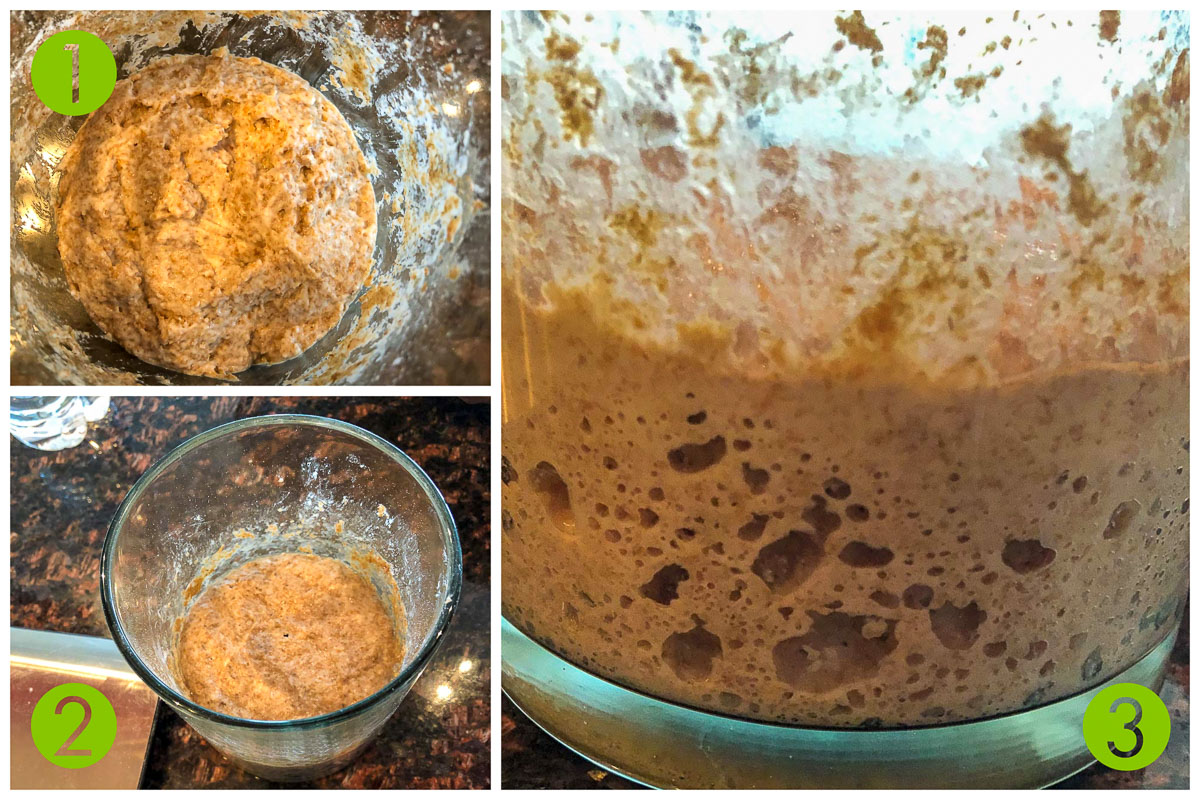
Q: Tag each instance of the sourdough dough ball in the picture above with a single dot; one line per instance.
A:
(215, 213)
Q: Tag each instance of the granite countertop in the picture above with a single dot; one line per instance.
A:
(531, 759)
(61, 504)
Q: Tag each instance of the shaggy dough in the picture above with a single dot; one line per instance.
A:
(287, 637)
(215, 213)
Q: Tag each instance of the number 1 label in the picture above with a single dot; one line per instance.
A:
(74, 50)
(73, 72)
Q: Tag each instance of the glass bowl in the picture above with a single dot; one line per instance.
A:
(414, 89)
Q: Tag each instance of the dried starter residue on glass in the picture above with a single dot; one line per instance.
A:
(1019, 216)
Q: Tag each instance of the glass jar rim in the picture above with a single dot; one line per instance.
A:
(452, 573)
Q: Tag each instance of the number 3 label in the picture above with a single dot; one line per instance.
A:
(74, 725)
(1126, 726)
(73, 72)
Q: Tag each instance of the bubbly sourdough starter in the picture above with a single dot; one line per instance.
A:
(831, 552)
(215, 213)
(819, 409)
(287, 637)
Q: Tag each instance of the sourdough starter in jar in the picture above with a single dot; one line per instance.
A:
(845, 374)
(287, 636)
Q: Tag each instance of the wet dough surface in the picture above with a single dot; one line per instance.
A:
(287, 637)
(215, 213)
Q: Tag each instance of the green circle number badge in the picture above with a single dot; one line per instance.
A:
(74, 72)
(1126, 726)
(74, 725)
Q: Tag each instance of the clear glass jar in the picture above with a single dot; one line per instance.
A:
(845, 376)
(266, 485)
(54, 422)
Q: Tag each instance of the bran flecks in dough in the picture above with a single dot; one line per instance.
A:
(215, 213)
(287, 637)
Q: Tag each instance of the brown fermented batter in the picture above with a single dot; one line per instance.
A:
(215, 213)
(835, 553)
(287, 637)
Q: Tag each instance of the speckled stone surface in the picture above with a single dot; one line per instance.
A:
(62, 503)
(530, 759)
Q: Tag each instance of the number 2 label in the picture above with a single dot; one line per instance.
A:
(66, 750)
(73, 725)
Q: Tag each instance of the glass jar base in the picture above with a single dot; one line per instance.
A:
(291, 773)
(662, 744)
